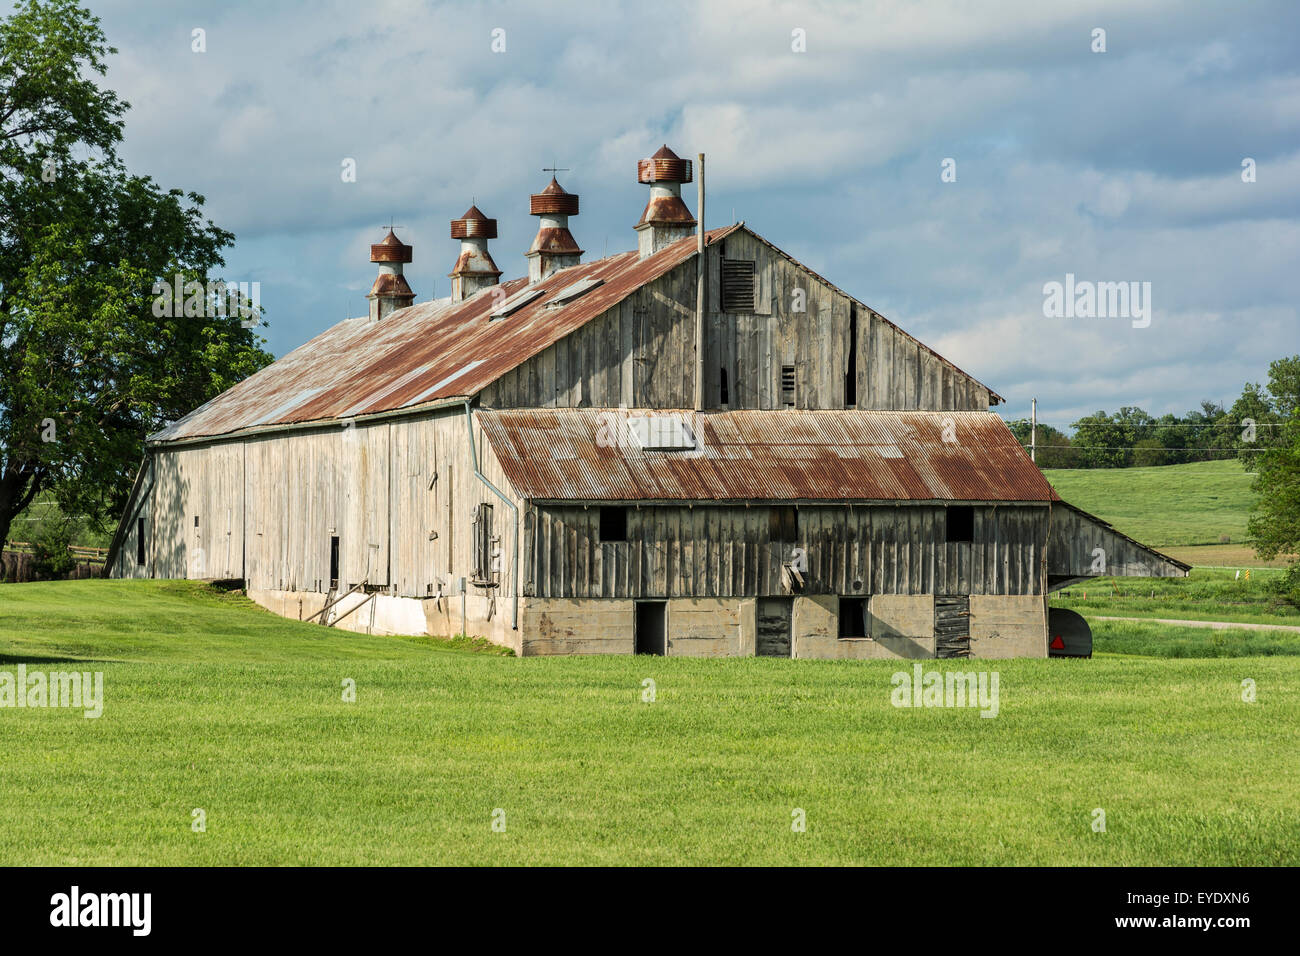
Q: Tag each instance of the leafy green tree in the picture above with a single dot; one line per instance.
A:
(1253, 421)
(1102, 441)
(1168, 437)
(1274, 522)
(86, 367)
(1148, 452)
(1053, 444)
(50, 543)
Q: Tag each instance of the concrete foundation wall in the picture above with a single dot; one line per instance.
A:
(814, 622)
(708, 627)
(388, 615)
(568, 626)
(1009, 625)
(902, 626)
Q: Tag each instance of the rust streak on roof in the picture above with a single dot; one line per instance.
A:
(422, 353)
(588, 454)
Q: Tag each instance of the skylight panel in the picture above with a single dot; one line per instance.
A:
(574, 291)
(516, 302)
(661, 433)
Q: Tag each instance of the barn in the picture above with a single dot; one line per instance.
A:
(698, 447)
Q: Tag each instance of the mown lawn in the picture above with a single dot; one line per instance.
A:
(213, 705)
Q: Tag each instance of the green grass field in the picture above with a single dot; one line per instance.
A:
(1173, 505)
(211, 703)
(1207, 594)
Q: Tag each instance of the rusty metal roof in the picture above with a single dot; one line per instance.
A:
(429, 352)
(423, 354)
(584, 454)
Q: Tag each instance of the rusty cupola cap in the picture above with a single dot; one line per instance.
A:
(390, 249)
(664, 166)
(665, 206)
(553, 200)
(390, 286)
(473, 225)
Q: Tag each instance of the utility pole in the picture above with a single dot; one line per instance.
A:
(699, 288)
(1033, 431)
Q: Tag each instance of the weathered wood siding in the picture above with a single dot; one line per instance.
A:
(893, 370)
(713, 551)
(641, 352)
(126, 563)
(399, 496)
(1077, 543)
(207, 483)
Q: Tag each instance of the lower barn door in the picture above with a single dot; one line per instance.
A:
(952, 626)
(773, 627)
(651, 628)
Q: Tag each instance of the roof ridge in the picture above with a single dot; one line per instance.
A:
(426, 352)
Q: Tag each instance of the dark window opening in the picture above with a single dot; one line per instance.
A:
(651, 628)
(334, 563)
(483, 543)
(851, 375)
(784, 524)
(961, 523)
(737, 285)
(787, 386)
(613, 524)
(724, 397)
(853, 617)
(196, 521)
(139, 541)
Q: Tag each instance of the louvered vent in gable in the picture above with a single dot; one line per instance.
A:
(787, 386)
(737, 285)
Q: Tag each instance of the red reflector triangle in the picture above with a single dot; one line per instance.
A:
(1058, 644)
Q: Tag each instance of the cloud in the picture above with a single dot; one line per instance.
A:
(1115, 166)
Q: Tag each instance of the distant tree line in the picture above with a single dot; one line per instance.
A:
(1132, 438)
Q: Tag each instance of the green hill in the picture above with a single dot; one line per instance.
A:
(1171, 505)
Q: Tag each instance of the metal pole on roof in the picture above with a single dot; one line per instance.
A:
(699, 289)
(1033, 431)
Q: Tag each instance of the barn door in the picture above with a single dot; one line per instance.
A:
(952, 626)
(651, 627)
(773, 627)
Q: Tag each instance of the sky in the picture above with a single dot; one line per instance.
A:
(942, 162)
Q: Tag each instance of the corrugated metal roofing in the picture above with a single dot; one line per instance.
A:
(425, 353)
(584, 454)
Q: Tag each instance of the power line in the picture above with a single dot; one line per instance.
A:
(1230, 425)
(1192, 448)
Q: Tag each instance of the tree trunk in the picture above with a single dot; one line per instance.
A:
(17, 489)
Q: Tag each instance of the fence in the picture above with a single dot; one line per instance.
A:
(17, 563)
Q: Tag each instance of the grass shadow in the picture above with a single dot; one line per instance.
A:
(50, 659)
